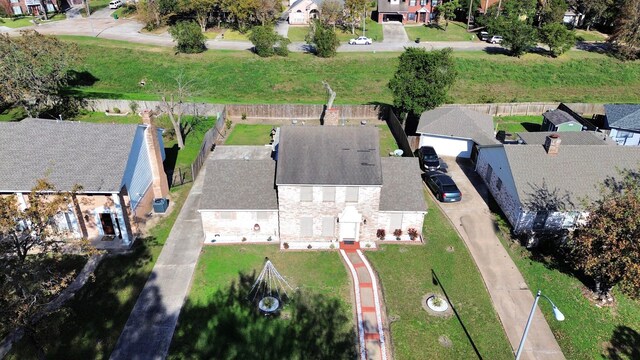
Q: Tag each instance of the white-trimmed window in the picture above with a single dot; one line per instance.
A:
(412, 2)
(17, 10)
(328, 226)
(328, 194)
(306, 194)
(306, 226)
(351, 194)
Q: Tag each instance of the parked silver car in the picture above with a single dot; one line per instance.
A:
(496, 39)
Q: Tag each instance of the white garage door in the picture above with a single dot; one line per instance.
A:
(297, 18)
(448, 146)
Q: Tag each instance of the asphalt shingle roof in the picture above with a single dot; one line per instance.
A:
(558, 117)
(239, 185)
(458, 123)
(568, 138)
(65, 152)
(576, 171)
(385, 6)
(329, 155)
(623, 116)
(402, 188)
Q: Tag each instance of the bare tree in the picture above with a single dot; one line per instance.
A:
(172, 104)
(331, 93)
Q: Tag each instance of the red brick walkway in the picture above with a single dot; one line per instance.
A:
(368, 306)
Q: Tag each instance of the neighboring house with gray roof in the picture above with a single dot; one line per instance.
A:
(327, 186)
(455, 131)
(623, 121)
(568, 138)
(548, 186)
(119, 169)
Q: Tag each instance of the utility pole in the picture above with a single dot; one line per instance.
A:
(87, 7)
(469, 16)
(364, 20)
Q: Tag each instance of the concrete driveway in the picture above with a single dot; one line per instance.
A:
(511, 297)
(393, 33)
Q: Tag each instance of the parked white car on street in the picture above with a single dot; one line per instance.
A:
(362, 40)
(115, 4)
(496, 39)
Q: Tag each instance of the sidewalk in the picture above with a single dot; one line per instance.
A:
(371, 333)
(511, 297)
(149, 329)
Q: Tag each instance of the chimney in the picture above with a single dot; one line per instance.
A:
(159, 184)
(552, 144)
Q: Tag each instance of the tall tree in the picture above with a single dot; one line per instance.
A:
(242, 12)
(33, 270)
(172, 103)
(552, 11)
(201, 10)
(188, 37)
(34, 69)
(331, 11)
(354, 12)
(557, 37)
(267, 11)
(448, 12)
(595, 11)
(607, 246)
(626, 33)
(422, 80)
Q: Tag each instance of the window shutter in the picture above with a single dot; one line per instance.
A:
(306, 226)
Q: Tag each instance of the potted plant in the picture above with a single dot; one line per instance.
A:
(397, 233)
(413, 233)
(380, 234)
(285, 245)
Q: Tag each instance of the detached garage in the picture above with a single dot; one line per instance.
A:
(455, 131)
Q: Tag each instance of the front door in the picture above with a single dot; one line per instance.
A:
(107, 224)
(348, 231)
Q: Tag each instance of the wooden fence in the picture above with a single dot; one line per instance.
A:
(207, 145)
(398, 133)
(507, 109)
(303, 112)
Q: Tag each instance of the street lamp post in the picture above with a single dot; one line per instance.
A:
(556, 312)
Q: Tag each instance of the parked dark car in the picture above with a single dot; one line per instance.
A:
(483, 35)
(443, 186)
(428, 158)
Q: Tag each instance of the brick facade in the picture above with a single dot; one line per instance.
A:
(20, 7)
(292, 210)
(232, 226)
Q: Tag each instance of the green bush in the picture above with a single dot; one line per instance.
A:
(265, 39)
(558, 38)
(324, 38)
(188, 36)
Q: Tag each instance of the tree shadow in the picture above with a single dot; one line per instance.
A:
(89, 325)
(170, 159)
(496, 50)
(436, 281)
(81, 78)
(228, 326)
(542, 198)
(434, 26)
(624, 344)
(597, 47)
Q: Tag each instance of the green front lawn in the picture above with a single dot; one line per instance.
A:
(406, 276)
(518, 123)
(457, 31)
(90, 325)
(588, 332)
(593, 35)
(229, 34)
(373, 30)
(242, 77)
(316, 272)
(19, 22)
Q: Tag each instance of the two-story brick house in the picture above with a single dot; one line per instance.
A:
(30, 7)
(406, 11)
(330, 184)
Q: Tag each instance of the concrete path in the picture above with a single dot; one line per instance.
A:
(371, 334)
(393, 33)
(511, 297)
(148, 332)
